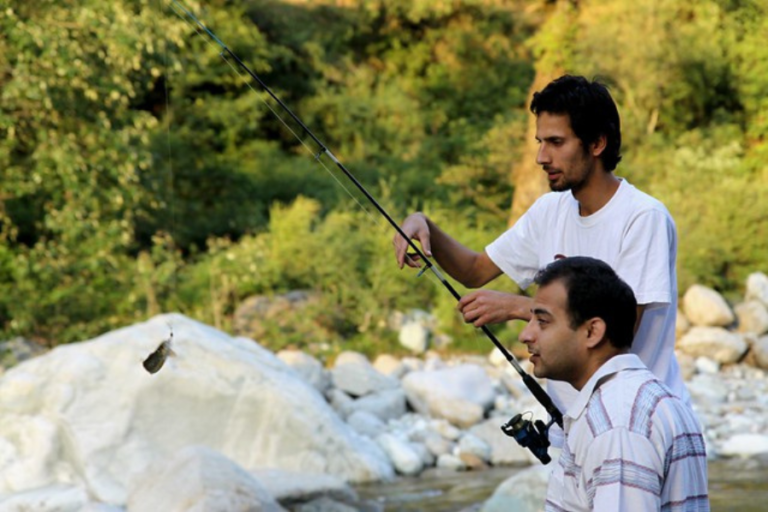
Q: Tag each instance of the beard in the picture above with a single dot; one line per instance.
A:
(573, 182)
(563, 183)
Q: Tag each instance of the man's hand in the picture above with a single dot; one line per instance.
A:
(415, 227)
(484, 307)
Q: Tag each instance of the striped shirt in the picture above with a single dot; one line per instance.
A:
(630, 445)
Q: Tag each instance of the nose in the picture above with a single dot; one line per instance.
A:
(542, 156)
(526, 336)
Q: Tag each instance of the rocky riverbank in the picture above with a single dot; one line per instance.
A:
(228, 425)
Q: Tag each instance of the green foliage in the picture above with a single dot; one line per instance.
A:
(142, 172)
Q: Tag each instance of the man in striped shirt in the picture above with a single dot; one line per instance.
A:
(630, 443)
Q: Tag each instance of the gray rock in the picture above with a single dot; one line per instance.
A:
(390, 365)
(757, 288)
(715, 343)
(415, 337)
(386, 405)
(474, 445)
(354, 374)
(459, 394)
(57, 497)
(760, 351)
(753, 317)
(437, 444)
(504, 449)
(523, 492)
(201, 480)
(405, 459)
(366, 424)
(113, 419)
(291, 488)
(308, 368)
(704, 306)
(450, 461)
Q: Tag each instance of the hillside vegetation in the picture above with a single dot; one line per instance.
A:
(141, 173)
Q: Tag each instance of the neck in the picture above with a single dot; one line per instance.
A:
(596, 192)
(598, 359)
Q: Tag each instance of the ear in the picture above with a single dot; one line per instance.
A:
(597, 147)
(595, 331)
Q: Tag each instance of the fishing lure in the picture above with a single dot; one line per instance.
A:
(157, 359)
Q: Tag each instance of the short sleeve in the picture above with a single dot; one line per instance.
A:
(515, 252)
(647, 256)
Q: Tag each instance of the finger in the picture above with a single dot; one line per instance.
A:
(400, 250)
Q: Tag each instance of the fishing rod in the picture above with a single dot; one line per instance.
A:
(529, 434)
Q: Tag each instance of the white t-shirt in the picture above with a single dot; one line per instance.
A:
(631, 446)
(633, 233)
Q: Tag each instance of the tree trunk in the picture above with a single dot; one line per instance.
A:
(555, 43)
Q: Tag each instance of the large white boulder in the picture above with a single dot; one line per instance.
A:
(198, 479)
(88, 414)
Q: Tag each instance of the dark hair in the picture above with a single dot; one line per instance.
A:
(591, 110)
(595, 290)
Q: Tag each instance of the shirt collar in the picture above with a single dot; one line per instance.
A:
(609, 368)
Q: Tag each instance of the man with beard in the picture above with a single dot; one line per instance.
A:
(590, 212)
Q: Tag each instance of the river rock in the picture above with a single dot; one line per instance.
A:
(389, 365)
(713, 342)
(405, 459)
(504, 449)
(757, 288)
(366, 424)
(759, 351)
(294, 489)
(704, 306)
(414, 336)
(87, 414)
(57, 497)
(386, 405)
(753, 316)
(354, 374)
(201, 480)
(450, 461)
(308, 367)
(474, 445)
(459, 394)
(523, 492)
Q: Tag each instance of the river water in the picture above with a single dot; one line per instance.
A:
(735, 485)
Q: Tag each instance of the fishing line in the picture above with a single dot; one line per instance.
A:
(157, 359)
(317, 155)
(528, 434)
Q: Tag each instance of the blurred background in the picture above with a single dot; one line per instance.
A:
(140, 174)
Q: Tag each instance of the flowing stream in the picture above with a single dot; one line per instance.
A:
(735, 485)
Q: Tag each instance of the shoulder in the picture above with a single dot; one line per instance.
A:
(639, 202)
(630, 400)
(552, 203)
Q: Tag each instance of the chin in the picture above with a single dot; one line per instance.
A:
(559, 187)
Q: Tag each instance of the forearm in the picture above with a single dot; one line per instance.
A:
(471, 268)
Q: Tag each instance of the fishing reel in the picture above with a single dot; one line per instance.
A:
(530, 434)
